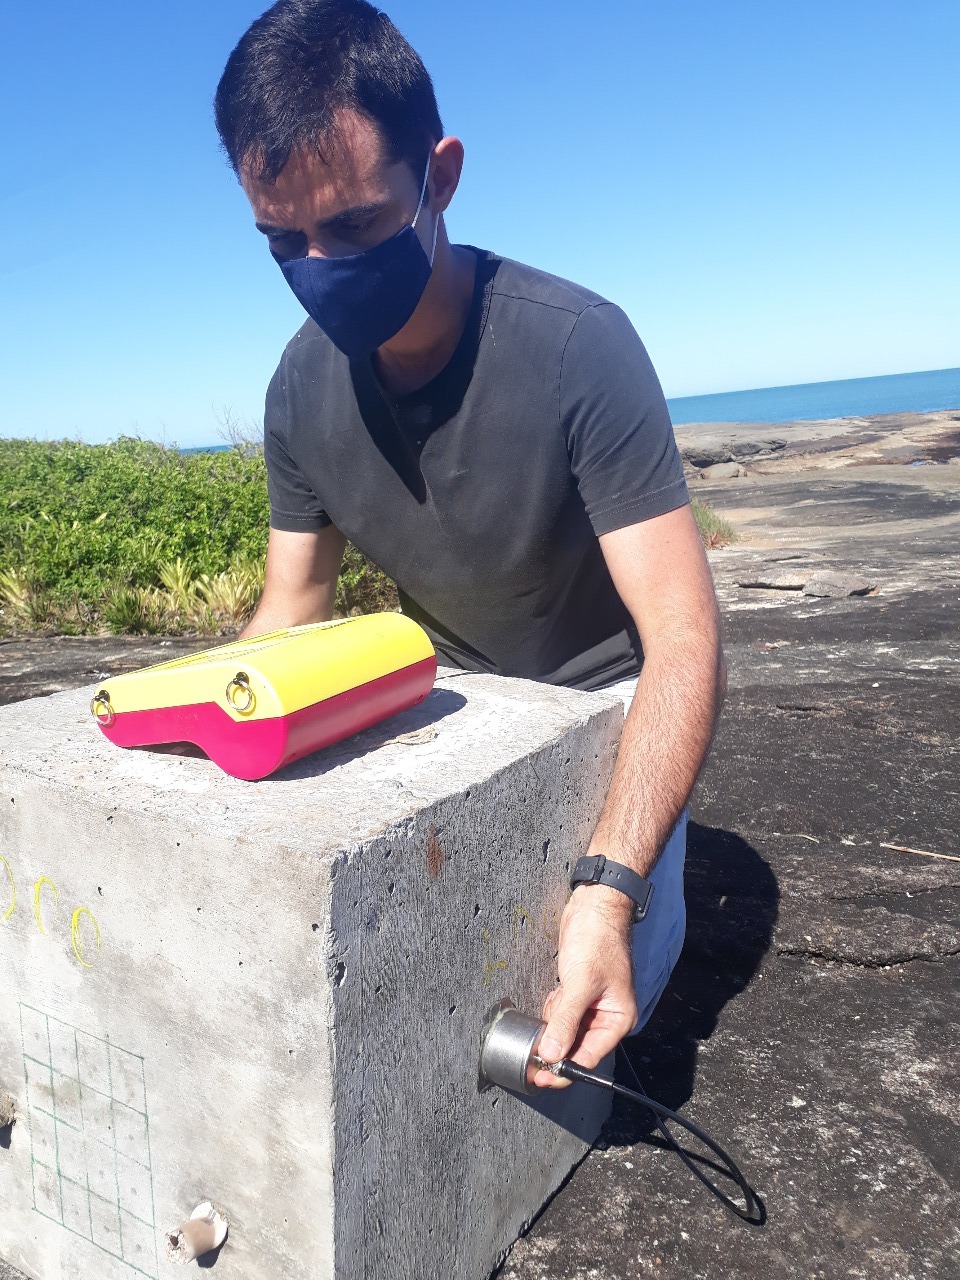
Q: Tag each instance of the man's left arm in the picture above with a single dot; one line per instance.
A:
(660, 570)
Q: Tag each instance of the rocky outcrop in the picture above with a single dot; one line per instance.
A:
(835, 583)
(723, 471)
(705, 453)
(838, 585)
(826, 444)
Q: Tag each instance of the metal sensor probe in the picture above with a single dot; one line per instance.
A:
(508, 1050)
(509, 1058)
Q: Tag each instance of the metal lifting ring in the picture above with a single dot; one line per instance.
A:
(241, 681)
(102, 699)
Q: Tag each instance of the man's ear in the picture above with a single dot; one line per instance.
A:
(445, 173)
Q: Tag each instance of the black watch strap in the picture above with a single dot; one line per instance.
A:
(601, 870)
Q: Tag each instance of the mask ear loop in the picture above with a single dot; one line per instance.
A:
(436, 225)
(436, 232)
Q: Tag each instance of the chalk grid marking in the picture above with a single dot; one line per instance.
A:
(90, 1138)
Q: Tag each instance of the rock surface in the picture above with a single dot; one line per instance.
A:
(813, 582)
(826, 445)
(776, 580)
(810, 1024)
(723, 471)
(837, 584)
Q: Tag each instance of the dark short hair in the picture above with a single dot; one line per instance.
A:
(303, 61)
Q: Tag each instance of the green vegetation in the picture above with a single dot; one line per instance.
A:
(714, 530)
(137, 537)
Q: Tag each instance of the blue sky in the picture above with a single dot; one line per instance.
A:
(769, 190)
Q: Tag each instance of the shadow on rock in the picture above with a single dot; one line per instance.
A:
(732, 906)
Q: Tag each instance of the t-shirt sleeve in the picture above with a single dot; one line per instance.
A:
(619, 435)
(294, 507)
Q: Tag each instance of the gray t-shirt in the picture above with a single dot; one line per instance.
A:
(482, 494)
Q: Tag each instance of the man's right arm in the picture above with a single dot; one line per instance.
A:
(301, 580)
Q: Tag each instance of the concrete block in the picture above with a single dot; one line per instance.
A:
(269, 995)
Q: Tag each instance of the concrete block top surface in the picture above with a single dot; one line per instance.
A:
(468, 729)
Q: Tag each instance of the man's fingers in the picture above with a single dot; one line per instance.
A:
(596, 1032)
(551, 1002)
(563, 1023)
(600, 1033)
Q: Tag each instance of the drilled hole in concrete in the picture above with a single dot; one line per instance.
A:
(8, 1118)
(339, 973)
(452, 1009)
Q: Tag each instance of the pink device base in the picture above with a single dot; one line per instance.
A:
(255, 749)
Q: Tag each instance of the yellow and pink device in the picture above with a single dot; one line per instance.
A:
(255, 705)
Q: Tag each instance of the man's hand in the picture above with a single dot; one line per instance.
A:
(594, 1007)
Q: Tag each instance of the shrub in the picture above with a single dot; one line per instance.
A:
(714, 530)
(137, 537)
(81, 519)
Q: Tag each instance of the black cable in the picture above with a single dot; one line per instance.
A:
(754, 1213)
(753, 1201)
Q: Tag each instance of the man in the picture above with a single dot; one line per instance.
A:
(497, 441)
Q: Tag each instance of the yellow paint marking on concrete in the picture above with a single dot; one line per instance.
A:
(13, 890)
(37, 905)
(76, 938)
(550, 923)
(520, 914)
(491, 965)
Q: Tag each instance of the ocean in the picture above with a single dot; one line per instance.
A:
(849, 398)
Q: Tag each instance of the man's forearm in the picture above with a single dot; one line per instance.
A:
(662, 575)
(300, 584)
(273, 617)
(666, 737)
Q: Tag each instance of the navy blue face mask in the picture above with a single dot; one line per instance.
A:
(362, 300)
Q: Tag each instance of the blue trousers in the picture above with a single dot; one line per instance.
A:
(658, 940)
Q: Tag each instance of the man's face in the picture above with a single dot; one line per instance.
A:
(352, 201)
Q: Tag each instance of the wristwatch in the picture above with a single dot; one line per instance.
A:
(601, 870)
